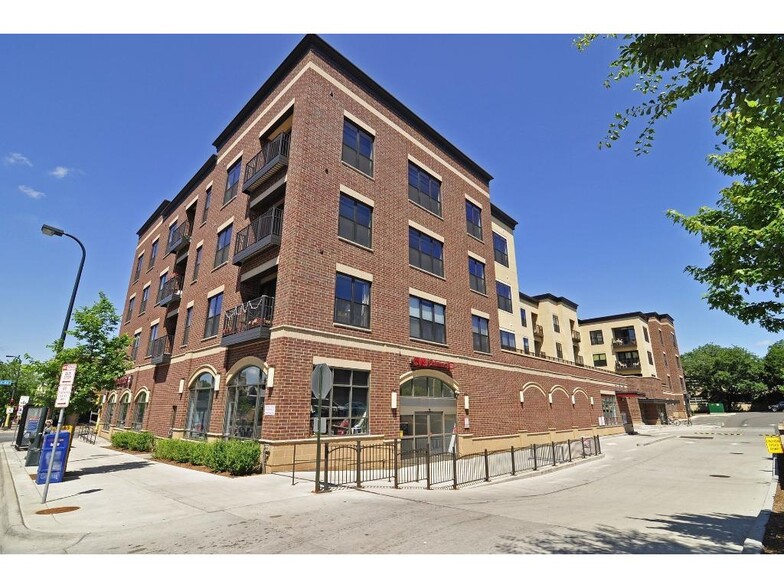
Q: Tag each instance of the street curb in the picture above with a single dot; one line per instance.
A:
(753, 543)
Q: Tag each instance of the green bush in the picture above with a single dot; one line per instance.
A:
(200, 453)
(242, 457)
(133, 440)
(236, 457)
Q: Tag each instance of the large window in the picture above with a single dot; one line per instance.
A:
(207, 198)
(139, 410)
(424, 189)
(153, 337)
(610, 410)
(355, 221)
(244, 404)
(425, 252)
(129, 312)
(109, 412)
(599, 359)
(153, 254)
(556, 324)
(139, 264)
(222, 248)
(196, 264)
(500, 250)
(431, 429)
(122, 415)
(345, 409)
(526, 345)
(213, 315)
(145, 296)
(504, 293)
(186, 331)
(558, 350)
(476, 275)
(357, 147)
(427, 320)
(597, 337)
(232, 181)
(473, 220)
(627, 359)
(508, 341)
(624, 336)
(352, 301)
(135, 346)
(199, 407)
(523, 318)
(480, 329)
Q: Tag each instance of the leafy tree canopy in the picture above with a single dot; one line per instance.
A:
(100, 356)
(724, 374)
(773, 367)
(24, 377)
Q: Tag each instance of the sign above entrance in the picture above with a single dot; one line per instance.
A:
(423, 362)
(123, 382)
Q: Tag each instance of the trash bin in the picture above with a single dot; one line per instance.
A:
(715, 407)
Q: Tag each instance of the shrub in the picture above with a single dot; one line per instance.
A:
(200, 453)
(133, 440)
(241, 457)
(236, 457)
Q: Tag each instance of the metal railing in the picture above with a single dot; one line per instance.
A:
(269, 223)
(86, 432)
(576, 336)
(172, 286)
(251, 314)
(538, 331)
(624, 341)
(160, 347)
(179, 237)
(623, 365)
(272, 149)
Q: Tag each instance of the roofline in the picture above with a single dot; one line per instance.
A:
(554, 298)
(627, 315)
(529, 299)
(319, 45)
(168, 206)
(502, 216)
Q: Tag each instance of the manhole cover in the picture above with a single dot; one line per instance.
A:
(57, 510)
(718, 476)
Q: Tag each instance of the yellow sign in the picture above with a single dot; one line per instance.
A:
(774, 444)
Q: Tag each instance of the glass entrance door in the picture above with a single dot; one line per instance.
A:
(428, 429)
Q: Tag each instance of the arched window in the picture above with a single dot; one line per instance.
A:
(428, 412)
(244, 402)
(199, 406)
(125, 401)
(426, 386)
(141, 407)
(109, 412)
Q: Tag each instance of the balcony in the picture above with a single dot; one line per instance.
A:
(628, 367)
(248, 322)
(180, 238)
(538, 331)
(260, 235)
(621, 342)
(170, 292)
(578, 359)
(273, 157)
(576, 336)
(160, 350)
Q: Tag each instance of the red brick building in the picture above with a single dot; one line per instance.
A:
(333, 225)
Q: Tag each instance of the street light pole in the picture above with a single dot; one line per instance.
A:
(55, 232)
(14, 390)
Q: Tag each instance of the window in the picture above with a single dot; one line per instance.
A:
(172, 232)
(187, 329)
(481, 333)
(427, 429)
(661, 337)
(669, 382)
(523, 318)
(107, 421)
(476, 275)
(504, 293)
(473, 220)
(425, 252)
(232, 181)
(207, 198)
(597, 337)
(129, 312)
(244, 401)
(138, 414)
(222, 248)
(153, 337)
(666, 364)
(683, 383)
(678, 361)
(426, 320)
(354, 221)
(500, 250)
(213, 315)
(599, 359)
(345, 409)
(610, 410)
(199, 406)
(197, 264)
(526, 346)
(624, 336)
(508, 341)
(125, 402)
(424, 189)
(153, 254)
(674, 343)
(352, 301)
(558, 350)
(145, 296)
(627, 359)
(135, 345)
(357, 148)
(162, 285)
(139, 263)
(650, 358)
(556, 324)
(645, 334)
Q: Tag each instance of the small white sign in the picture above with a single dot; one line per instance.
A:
(23, 400)
(269, 410)
(63, 396)
(68, 374)
(9, 410)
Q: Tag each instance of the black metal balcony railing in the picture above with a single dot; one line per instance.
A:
(262, 233)
(180, 238)
(576, 336)
(248, 321)
(273, 156)
(170, 291)
(538, 331)
(624, 342)
(160, 349)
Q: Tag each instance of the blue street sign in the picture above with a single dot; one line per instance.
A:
(6, 382)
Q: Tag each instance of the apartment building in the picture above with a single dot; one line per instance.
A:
(334, 226)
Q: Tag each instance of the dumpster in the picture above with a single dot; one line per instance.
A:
(715, 407)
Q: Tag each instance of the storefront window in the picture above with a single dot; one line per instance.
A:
(427, 420)
(424, 386)
(199, 406)
(244, 403)
(141, 406)
(125, 401)
(345, 410)
(610, 411)
(107, 420)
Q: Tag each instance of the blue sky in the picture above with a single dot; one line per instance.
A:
(96, 130)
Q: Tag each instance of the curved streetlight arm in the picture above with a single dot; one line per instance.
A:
(75, 288)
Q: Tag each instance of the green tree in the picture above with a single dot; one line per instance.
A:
(773, 367)
(100, 355)
(724, 374)
(24, 377)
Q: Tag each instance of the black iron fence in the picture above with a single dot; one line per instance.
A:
(86, 432)
(349, 464)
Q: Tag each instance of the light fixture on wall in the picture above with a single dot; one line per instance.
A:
(394, 400)
(522, 396)
(573, 400)
(465, 402)
(182, 386)
(591, 400)
(550, 398)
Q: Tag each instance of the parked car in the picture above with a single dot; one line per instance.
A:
(779, 406)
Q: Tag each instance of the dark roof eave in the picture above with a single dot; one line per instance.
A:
(627, 315)
(318, 44)
(502, 216)
(553, 297)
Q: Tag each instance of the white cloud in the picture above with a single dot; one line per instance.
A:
(30, 192)
(61, 171)
(17, 159)
(764, 343)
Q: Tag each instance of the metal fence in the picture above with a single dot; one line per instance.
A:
(346, 464)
